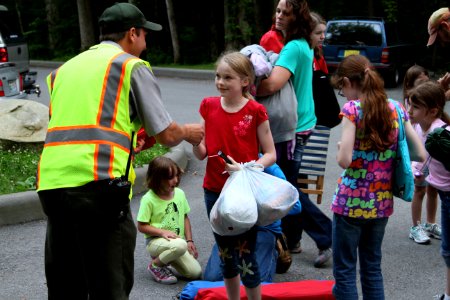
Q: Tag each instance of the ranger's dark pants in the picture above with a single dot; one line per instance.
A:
(90, 242)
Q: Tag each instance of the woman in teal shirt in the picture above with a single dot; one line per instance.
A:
(295, 63)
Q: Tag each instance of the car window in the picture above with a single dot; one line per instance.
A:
(354, 33)
(9, 25)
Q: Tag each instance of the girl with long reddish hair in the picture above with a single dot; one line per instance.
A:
(363, 200)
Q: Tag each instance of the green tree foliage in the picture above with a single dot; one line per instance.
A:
(238, 31)
(207, 28)
(391, 10)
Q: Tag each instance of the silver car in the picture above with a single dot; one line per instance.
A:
(13, 45)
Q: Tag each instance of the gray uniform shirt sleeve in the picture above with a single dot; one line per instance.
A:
(146, 102)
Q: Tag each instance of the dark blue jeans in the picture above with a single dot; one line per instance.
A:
(312, 220)
(237, 252)
(291, 165)
(266, 256)
(445, 222)
(353, 238)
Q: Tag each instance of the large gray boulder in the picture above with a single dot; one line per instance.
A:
(23, 120)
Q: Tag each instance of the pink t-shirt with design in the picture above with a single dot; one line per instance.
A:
(419, 166)
(364, 189)
(438, 177)
(235, 134)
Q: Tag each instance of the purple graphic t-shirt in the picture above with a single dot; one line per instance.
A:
(364, 189)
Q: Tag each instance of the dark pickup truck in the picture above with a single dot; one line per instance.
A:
(373, 38)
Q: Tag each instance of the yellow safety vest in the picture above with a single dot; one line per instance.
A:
(89, 132)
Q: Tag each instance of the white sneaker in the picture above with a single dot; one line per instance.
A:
(418, 234)
(432, 230)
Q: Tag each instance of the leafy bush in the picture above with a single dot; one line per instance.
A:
(18, 165)
(144, 157)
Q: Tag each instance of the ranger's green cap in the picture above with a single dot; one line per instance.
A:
(122, 16)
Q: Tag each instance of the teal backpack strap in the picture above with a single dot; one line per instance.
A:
(401, 130)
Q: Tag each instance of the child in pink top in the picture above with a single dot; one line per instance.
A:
(427, 102)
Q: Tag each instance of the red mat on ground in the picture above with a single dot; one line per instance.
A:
(304, 289)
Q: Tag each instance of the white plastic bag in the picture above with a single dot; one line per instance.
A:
(274, 196)
(235, 210)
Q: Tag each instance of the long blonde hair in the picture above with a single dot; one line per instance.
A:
(242, 65)
(316, 20)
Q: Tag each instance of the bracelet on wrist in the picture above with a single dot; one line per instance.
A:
(187, 241)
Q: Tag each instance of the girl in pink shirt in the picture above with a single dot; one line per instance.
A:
(427, 102)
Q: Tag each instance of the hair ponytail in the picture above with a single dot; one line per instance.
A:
(247, 92)
(376, 121)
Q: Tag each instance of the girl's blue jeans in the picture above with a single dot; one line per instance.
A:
(445, 226)
(352, 238)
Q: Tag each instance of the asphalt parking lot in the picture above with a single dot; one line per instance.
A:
(411, 271)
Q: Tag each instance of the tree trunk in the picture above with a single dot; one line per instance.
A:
(230, 25)
(173, 31)
(370, 8)
(237, 30)
(51, 10)
(215, 37)
(246, 31)
(257, 27)
(86, 25)
(18, 4)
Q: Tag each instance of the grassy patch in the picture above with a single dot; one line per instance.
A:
(18, 164)
(144, 157)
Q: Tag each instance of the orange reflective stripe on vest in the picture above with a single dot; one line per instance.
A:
(52, 78)
(87, 135)
(112, 85)
(102, 135)
(52, 82)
